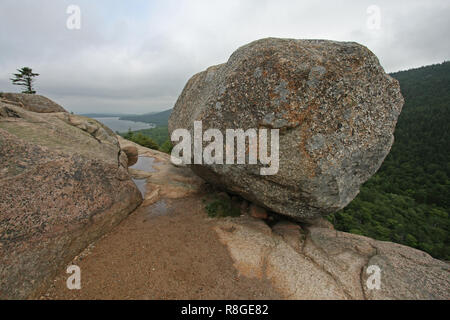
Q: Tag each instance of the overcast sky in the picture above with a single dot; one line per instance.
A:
(136, 56)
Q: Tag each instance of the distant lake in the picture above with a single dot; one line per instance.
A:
(115, 124)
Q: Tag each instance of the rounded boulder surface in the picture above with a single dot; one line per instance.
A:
(33, 102)
(132, 154)
(335, 108)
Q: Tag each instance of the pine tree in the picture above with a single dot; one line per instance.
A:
(25, 78)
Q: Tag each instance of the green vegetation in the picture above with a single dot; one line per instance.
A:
(166, 147)
(155, 138)
(159, 134)
(25, 78)
(220, 208)
(408, 200)
(140, 139)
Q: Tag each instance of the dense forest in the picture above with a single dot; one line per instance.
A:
(408, 200)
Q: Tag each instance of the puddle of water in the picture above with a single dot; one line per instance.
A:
(144, 164)
(141, 184)
(157, 209)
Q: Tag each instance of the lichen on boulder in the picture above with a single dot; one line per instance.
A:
(334, 105)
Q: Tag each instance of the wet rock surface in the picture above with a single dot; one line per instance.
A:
(334, 105)
(166, 249)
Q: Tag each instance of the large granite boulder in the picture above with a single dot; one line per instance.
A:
(64, 183)
(334, 105)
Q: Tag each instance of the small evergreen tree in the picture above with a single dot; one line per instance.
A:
(25, 79)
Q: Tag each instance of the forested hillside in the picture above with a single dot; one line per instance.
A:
(408, 200)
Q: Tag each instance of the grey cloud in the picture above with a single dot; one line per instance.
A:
(139, 63)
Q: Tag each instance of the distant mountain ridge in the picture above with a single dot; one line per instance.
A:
(158, 119)
(105, 115)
